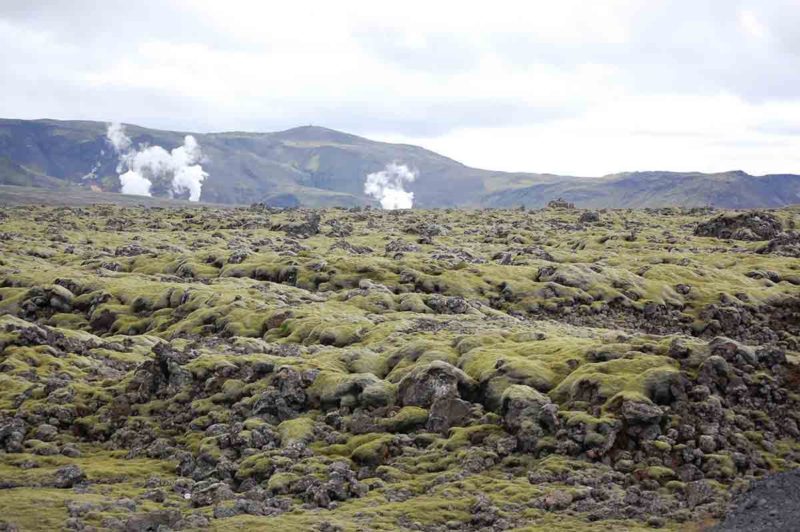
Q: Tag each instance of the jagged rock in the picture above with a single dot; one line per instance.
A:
(448, 305)
(341, 485)
(521, 404)
(285, 398)
(785, 245)
(45, 432)
(642, 420)
(733, 352)
(446, 412)
(238, 256)
(247, 506)
(589, 217)
(162, 376)
(327, 526)
(424, 384)
(193, 521)
(715, 372)
(754, 225)
(339, 229)
(485, 514)
(346, 246)
(529, 414)
(426, 230)
(12, 434)
(46, 300)
(305, 229)
(401, 246)
(71, 451)
(153, 521)
(557, 500)
(342, 482)
(132, 249)
(208, 492)
(68, 476)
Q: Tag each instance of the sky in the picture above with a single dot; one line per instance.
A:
(569, 87)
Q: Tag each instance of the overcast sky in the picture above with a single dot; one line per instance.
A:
(570, 87)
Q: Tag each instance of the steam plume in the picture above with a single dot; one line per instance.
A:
(387, 186)
(177, 172)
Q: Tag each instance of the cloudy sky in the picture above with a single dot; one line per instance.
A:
(571, 87)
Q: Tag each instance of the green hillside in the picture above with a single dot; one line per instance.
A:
(318, 167)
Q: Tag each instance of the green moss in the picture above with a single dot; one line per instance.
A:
(658, 473)
(281, 483)
(465, 436)
(333, 389)
(300, 429)
(373, 452)
(720, 466)
(601, 381)
(407, 419)
(356, 325)
(256, 466)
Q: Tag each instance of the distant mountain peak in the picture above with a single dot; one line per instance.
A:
(315, 166)
(312, 133)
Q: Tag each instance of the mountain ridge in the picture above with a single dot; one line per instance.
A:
(316, 166)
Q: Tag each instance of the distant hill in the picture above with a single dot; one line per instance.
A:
(74, 196)
(733, 190)
(12, 173)
(316, 166)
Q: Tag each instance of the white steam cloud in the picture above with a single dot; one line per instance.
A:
(387, 186)
(177, 172)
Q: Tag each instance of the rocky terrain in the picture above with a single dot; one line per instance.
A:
(769, 504)
(359, 369)
(313, 166)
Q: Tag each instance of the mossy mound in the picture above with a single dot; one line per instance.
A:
(362, 369)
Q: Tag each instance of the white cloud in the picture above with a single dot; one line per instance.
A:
(567, 87)
(752, 25)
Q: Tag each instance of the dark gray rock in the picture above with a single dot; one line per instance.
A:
(426, 383)
(589, 217)
(153, 521)
(769, 504)
(68, 476)
(753, 225)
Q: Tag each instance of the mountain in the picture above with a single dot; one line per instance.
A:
(735, 190)
(315, 166)
(12, 173)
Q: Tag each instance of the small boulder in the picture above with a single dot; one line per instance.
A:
(447, 412)
(642, 419)
(589, 217)
(153, 521)
(426, 383)
(733, 352)
(45, 432)
(528, 414)
(785, 245)
(68, 476)
(208, 492)
(752, 225)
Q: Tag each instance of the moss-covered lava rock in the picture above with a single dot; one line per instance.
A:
(356, 369)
